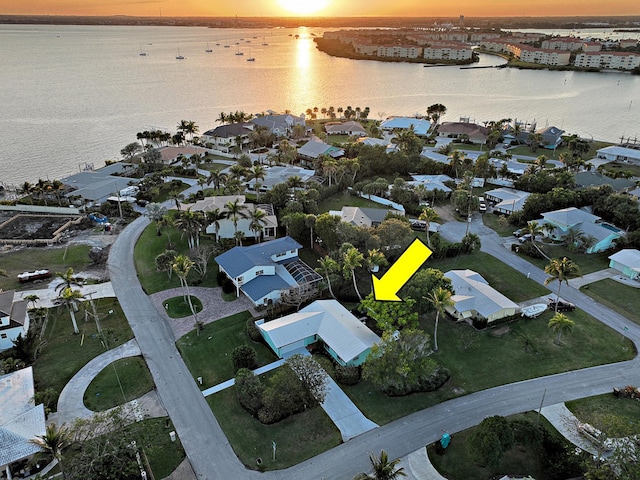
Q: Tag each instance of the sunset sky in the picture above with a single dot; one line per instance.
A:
(330, 8)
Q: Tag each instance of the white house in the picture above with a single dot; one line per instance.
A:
(603, 234)
(506, 200)
(262, 271)
(279, 124)
(14, 319)
(420, 126)
(432, 182)
(280, 174)
(342, 335)
(345, 128)
(226, 229)
(363, 216)
(620, 154)
(21, 420)
(626, 261)
(227, 137)
(474, 298)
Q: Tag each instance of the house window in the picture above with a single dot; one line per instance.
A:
(4, 335)
(281, 254)
(259, 272)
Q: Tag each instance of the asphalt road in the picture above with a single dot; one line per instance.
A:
(210, 453)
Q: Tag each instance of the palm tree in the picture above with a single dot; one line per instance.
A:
(428, 215)
(217, 178)
(257, 221)
(534, 229)
(235, 210)
(574, 237)
(375, 260)
(69, 297)
(166, 222)
(562, 271)
(67, 280)
(455, 160)
(32, 299)
(440, 298)
(176, 197)
(436, 112)
(182, 265)
(155, 212)
(237, 171)
(257, 173)
(213, 217)
(190, 222)
(383, 469)
(560, 324)
(54, 440)
(351, 259)
(328, 266)
(310, 223)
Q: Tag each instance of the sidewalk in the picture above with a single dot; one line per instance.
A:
(567, 424)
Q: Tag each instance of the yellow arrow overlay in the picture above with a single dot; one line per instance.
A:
(386, 288)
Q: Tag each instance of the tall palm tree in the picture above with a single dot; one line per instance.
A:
(560, 324)
(428, 215)
(375, 260)
(177, 197)
(217, 178)
(67, 280)
(30, 299)
(237, 171)
(440, 298)
(190, 223)
(55, 439)
(328, 266)
(383, 469)
(456, 159)
(166, 222)
(534, 229)
(352, 259)
(257, 221)
(155, 212)
(257, 173)
(182, 265)
(235, 210)
(561, 270)
(310, 223)
(70, 297)
(213, 217)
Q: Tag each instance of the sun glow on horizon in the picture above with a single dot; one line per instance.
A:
(304, 7)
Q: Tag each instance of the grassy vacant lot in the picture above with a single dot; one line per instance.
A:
(297, 438)
(491, 221)
(122, 381)
(484, 359)
(149, 246)
(457, 463)
(167, 188)
(209, 355)
(341, 199)
(617, 167)
(554, 155)
(177, 307)
(623, 299)
(588, 263)
(509, 282)
(163, 454)
(62, 353)
(56, 259)
(596, 410)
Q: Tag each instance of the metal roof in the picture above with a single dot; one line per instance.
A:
(473, 292)
(629, 257)
(240, 259)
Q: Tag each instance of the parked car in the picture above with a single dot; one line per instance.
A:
(419, 225)
(518, 233)
(525, 238)
(563, 306)
(482, 205)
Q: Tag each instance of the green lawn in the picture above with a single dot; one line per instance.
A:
(511, 283)
(56, 259)
(555, 155)
(150, 245)
(596, 410)
(491, 221)
(177, 307)
(209, 355)
(213, 166)
(588, 263)
(341, 199)
(122, 381)
(616, 168)
(64, 353)
(622, 298)
(166, 189)
(298, 438)
(483, 359)
(163, 454)
(457, 463)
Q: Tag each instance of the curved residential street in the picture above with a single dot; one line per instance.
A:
(209, 451)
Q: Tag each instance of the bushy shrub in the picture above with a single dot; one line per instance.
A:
(249, 390)
(243, 356)
(480, 323)
(530, 250)
(228, 286)
(253, 331)
(347, 375)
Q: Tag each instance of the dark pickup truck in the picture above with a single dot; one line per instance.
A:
(563, 306)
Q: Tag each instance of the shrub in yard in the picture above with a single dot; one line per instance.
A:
(221, 277)
(530, 250)
(243, 356)
(253, 331)
(347, 375)
(228, 286)
(249, 389)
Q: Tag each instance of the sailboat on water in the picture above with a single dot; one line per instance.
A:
(179, 57)
(239, 52)
(142, 52)
(208, 49)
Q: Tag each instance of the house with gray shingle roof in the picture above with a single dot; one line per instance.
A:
(507, 200)
(475, 133)
(264, 270)
(280, 125)
(325, 322)
(363, 216)
(98, 185)
(345, 128)
(21, 420)
(225, 137)
(316, 147)
(14, 319)
(474, 298)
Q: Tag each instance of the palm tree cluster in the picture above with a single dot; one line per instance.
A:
(187, 127)
(347, 113)
(234, 117)
(561, 270)
(43, 190)
(154, 138)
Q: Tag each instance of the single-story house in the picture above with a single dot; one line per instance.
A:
(21, 420)
(514, 167)
(14, 319)
(278, 124)
(343, 336)
(226, 137)
(506, 200)
(172, 154)
(226, 228)
(420, 126)
(620, 154)
(432, 182)
(474, 298)
(550, 137)
(635, 193)
(316, 147)
(603, 234)
(435, 156)
(378, 142)
(345, 128)
(280, 174)
(264, 270)
(473, 132)
(97, 185)
(596, 179)
(363, 216)
(627, 262)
